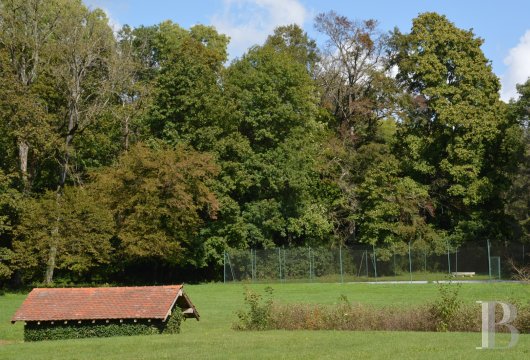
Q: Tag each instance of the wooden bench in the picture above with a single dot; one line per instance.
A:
(463, 273)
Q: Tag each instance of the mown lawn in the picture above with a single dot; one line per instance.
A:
(213, 338)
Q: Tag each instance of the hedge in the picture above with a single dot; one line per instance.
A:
(74, 330)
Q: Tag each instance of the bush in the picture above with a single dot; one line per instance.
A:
(447, 313)
(447, 306)
(73, 330)
(173, 323)
(259, 312)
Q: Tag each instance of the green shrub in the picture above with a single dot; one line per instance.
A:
(173, 323)
(447, 306)
(74, 330)
(259, 312)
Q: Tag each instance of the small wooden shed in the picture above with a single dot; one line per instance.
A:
(149, 306)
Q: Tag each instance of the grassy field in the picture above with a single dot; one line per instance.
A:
(213, 338)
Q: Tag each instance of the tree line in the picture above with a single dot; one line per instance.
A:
(141, 155)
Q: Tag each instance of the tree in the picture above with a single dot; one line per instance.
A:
(352, 75)
(10, 209)
(277, 118)
(159, 198)
(275, 96)
(26, 34)
(454, 132)
(85, 228)
(84, 46)
(81, 67)
(188, 105)
(393, 209)
(293, 40)
(358, 94)
(132, 89)
(518, 196)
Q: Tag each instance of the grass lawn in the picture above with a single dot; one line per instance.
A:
(213, 338)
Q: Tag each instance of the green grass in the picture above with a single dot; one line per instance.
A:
(213, 338)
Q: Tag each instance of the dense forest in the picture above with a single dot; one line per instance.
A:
(143, 154)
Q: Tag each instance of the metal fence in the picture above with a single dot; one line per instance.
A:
(357, 264)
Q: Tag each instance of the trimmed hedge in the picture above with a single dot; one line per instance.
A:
(73, 330)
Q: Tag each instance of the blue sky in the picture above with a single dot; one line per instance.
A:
(504, 25)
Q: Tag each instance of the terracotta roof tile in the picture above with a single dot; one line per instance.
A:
(146, 302)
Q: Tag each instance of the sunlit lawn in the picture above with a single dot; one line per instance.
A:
(213, 338)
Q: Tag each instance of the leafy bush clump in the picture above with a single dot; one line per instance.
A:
(73, 330)
(173, 323)
(259, 313)
(447, 313)
(447, 306)
(47, 331)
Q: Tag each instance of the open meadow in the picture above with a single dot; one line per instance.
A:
(213, 338)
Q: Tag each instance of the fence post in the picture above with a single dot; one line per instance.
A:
(410, 264)
(251, 266)
(448, 259)
(224, 267)
(231, 267)
(253, 263)
(280, 262)
(489, 258)
(366, 253)
(340, 259)
(284, 266)
(309, 251)
(375, 262)
(456, 260)
(395, 274)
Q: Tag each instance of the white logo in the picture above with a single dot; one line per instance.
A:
(488, 324)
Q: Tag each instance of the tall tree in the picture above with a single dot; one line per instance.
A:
(83, 50)
(188, 105)
(277, 116)
(352, 74)
(159, 198)
(81, 69)
(10, 208)
(452, 137)
(293, 40)
(85, 228)
(518, 197)
(26, 32)
(358, 93)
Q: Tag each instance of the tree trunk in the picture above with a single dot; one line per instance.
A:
(23, 150)
(126, 133)
(52, 254)
(50, 266)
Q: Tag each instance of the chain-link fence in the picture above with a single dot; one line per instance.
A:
(372, 264)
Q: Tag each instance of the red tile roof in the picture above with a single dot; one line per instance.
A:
(146, 302)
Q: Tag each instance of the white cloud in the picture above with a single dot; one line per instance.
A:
(518, 63)
(249, 22)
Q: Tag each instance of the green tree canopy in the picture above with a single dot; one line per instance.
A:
(159, 198)
(453, 133)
